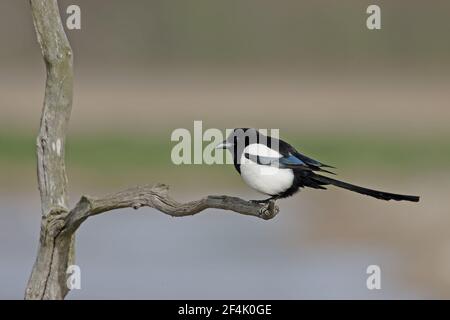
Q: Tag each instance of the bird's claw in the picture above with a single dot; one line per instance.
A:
(269, 210)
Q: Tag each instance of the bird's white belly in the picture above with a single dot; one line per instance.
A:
(266, 179)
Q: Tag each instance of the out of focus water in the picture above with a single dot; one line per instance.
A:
(216, 255)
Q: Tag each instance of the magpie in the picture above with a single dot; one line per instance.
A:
(273, 167)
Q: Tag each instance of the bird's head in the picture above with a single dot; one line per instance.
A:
(239, 139)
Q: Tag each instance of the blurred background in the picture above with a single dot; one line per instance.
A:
(375, 104)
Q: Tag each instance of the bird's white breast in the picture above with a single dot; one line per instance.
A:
(265, 179)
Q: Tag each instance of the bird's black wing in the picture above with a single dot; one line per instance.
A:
(287, 150)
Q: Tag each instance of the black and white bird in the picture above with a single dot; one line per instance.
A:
(273, 167)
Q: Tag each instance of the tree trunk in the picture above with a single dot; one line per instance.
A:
(55, 253)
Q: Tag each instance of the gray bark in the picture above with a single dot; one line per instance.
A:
(54, 254)
(157, 197)
(58, 224)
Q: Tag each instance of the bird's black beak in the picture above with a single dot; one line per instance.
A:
(224, 145)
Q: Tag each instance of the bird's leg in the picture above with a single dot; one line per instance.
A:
(265, 200)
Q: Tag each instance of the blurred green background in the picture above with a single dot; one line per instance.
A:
(375, 104)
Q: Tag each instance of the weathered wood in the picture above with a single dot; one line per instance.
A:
(53, 255)
(157, 197)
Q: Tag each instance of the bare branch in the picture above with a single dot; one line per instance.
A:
(157, 197)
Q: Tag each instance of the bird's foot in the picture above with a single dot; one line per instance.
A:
(269, 210)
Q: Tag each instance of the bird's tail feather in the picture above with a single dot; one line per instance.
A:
(369, 192)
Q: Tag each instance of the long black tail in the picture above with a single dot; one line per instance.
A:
(322, 180)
